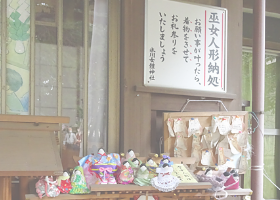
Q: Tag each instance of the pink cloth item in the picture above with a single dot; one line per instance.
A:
(216, 185)
(231, 184)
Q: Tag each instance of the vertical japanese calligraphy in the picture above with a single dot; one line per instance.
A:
(162, 23)
(152, 64)
(174, 35)
(197, 50)
(185, 46)
(214, 50)
(186, 30)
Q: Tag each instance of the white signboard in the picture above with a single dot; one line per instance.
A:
(185, 46)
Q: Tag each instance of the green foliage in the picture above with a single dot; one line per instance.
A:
(17, 29)
(270, 85)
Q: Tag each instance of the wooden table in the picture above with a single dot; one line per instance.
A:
(28, 148)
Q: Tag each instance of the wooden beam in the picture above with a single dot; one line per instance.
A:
(59, 55)
(135, 106)
(3, 55)
(33, 118)
(32, 58)
(114, 76)
(86, 65)
(248, 42)
(183, 92)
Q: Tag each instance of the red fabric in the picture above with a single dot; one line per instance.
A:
(231, 184)
(65, 186)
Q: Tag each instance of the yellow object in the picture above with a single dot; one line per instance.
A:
(181, 172)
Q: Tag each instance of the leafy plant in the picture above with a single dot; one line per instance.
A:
(17, 29)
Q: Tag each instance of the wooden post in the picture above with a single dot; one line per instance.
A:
(23, 187)
(5, 188)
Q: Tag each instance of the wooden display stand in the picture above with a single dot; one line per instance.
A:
(195, 191)
(28, 148)
(119, 191)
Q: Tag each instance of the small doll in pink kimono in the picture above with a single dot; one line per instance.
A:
(126, 176)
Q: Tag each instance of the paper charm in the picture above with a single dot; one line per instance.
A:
(196, 139)
(234, 146)
(178, 152)
(180, 141)
(237, 124)
(169, 123)
(243, 162)
(196, 152)
(223, 143)
(194, 127)
(222, 158)
(209, 139)
(208, 158)
(242, 138)
(234, 159)
(224, 125)
(180, 126)
(206, 138)
(214, 123)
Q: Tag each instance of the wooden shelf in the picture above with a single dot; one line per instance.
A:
(239, 192)
(196, 93)
(119, 187)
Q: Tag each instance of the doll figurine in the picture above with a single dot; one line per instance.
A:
(128, 156)
(209, 172)
(135, 164)
(165, 159)
(126, 175)
(104, 166)
(50, 187)
(64, 184)
(100, 154)
(151, 166)
(165, 182)
(232, 182)
(78, 182)
(40, 187)
(142, 176)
